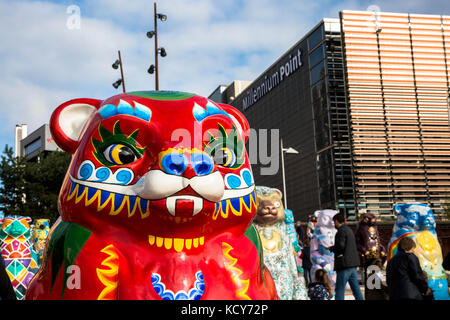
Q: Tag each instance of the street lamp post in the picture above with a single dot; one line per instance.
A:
(155, 68)
(283, 150)
(115, 65)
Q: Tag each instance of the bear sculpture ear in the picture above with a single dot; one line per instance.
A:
(278, 192)
(398, 208)
(68, 121)
(239, 120)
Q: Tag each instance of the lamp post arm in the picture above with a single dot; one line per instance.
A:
(283, 174)
(156, 50)
(121, 73)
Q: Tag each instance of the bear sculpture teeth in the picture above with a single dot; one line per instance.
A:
(171, 204)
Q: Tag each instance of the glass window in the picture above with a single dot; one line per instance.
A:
(315, 37)
(317, 55)
(318, 72)
(33, 146)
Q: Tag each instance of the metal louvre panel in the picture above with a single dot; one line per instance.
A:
(397, 86)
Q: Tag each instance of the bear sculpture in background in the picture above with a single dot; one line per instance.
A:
(416, 220)
(18, 252)
(279, 252)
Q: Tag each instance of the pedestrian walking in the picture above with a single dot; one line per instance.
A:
(306, 261)
(404, 276)
(346, 259)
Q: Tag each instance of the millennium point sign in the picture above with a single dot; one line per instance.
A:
(271, 80)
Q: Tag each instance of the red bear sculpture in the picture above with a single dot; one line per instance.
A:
(157, 203)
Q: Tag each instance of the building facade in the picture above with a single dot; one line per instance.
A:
(36, 142)
(365, 100)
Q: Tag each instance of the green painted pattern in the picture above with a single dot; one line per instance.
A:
(65, 244)
(162, 95)
(230, 141)
(115, 137)
(253, 235)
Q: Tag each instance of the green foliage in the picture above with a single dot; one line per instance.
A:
(31, 188)
(12, 172)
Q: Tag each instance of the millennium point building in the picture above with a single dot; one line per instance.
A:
(365, 100)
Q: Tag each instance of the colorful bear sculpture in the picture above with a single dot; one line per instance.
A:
(323, 238)
(39, 236)
(416, 220)
(290, 228)
(368, 240)
(157, 203)
(17, 251)
(279, 253)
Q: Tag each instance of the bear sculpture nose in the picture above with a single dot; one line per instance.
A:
(174, 163)
(202, 164)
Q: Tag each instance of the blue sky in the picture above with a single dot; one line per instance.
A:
(208, 43)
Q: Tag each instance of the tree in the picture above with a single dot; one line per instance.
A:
(32, 188)
(12, 171)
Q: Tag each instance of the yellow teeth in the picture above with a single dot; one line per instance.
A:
(177, 244)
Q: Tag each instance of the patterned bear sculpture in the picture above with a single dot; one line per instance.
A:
(157, 203)
(416, 220)
(290, 228)
(368, 240)
(279, 256)
(18, 253)
(39, 236)
(323, 238)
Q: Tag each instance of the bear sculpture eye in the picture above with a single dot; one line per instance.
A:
(224, 157)
(119, 154)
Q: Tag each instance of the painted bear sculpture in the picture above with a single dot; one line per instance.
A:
(416, 220)
(157, 203)
(39, 236)
(279, 253)
(368, 240)
(323, 238)
(17, 251)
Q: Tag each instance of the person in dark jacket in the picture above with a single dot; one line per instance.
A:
(306, 261)
(446, 262)
(404, 276)
(300, 232)
(6, 288)
(346, 259)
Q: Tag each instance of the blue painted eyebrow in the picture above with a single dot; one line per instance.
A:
(140, 111)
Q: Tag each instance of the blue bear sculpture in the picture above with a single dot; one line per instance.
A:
(416, 220)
